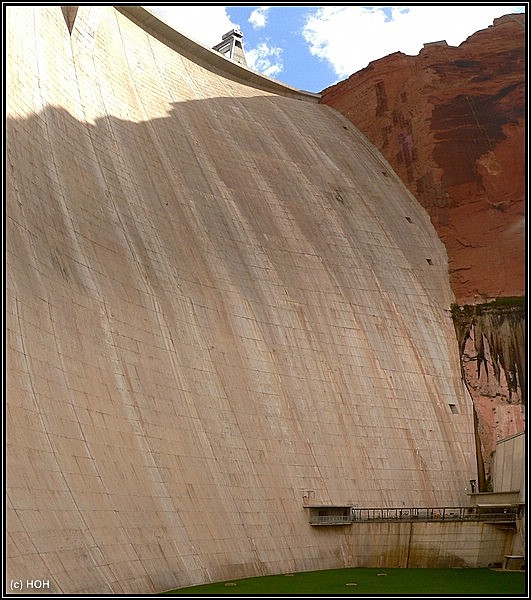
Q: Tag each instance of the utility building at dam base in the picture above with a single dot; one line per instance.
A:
(228, 328)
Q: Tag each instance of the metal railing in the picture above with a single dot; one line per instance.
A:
(448, 513)
(330, 519)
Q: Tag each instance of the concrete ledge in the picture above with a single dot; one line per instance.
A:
(212, 60)
(513, 562)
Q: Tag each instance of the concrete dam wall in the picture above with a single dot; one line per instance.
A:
(220, 300)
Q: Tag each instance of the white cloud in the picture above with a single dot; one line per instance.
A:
(349, 37)
(204, 24)
(265, 59)
(258, 18)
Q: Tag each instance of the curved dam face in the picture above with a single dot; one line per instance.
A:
(221, 301)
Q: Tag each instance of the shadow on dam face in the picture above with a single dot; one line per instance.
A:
(208, 314)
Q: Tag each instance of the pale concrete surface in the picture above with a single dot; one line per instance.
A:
(217, 297)
(509, 474)
(510, 465)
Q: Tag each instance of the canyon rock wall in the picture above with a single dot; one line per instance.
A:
(220, 300)
(493, 357)
(451, 121)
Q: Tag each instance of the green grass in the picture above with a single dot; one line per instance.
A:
(372, 582)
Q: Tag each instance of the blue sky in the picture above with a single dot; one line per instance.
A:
(313, 47)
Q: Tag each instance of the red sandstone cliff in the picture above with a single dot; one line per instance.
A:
(451, 123)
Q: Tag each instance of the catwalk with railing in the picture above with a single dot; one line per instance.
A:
(324, 515)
